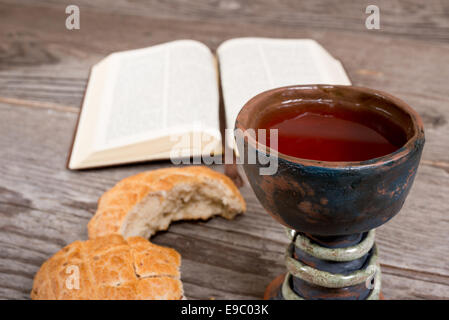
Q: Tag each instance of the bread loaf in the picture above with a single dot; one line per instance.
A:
(110, 268)
(143, 204)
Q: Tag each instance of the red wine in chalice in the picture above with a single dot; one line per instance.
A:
(318, 131)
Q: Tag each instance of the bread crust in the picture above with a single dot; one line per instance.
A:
(110, 268)
(115, 204)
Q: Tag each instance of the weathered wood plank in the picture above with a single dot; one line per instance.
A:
(410, 18)
(43, 207)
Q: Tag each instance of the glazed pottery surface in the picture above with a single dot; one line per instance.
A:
(334, 198)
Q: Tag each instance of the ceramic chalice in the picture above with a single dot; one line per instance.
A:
(331, 208)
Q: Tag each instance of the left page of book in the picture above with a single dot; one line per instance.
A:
(137, 101)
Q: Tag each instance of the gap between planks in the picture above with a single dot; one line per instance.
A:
(38, 104)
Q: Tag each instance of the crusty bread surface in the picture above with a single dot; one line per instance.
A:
(145, 203)
(110, 268)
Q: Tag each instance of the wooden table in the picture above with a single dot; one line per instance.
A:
(43, 74)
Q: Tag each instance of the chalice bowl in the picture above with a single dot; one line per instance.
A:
(331, 208)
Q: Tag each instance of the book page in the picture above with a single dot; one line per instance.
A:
(249, 66)
(140, 104)
(162, 90)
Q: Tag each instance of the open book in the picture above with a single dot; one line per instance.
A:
(162, 102)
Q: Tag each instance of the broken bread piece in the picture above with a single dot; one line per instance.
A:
(145, 203)
(110, 268)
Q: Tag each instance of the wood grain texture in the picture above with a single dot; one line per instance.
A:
(405, 18)
(43, 73)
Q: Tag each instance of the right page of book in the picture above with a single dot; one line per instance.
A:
(249, 66)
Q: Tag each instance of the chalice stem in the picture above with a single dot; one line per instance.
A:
(332, 267)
